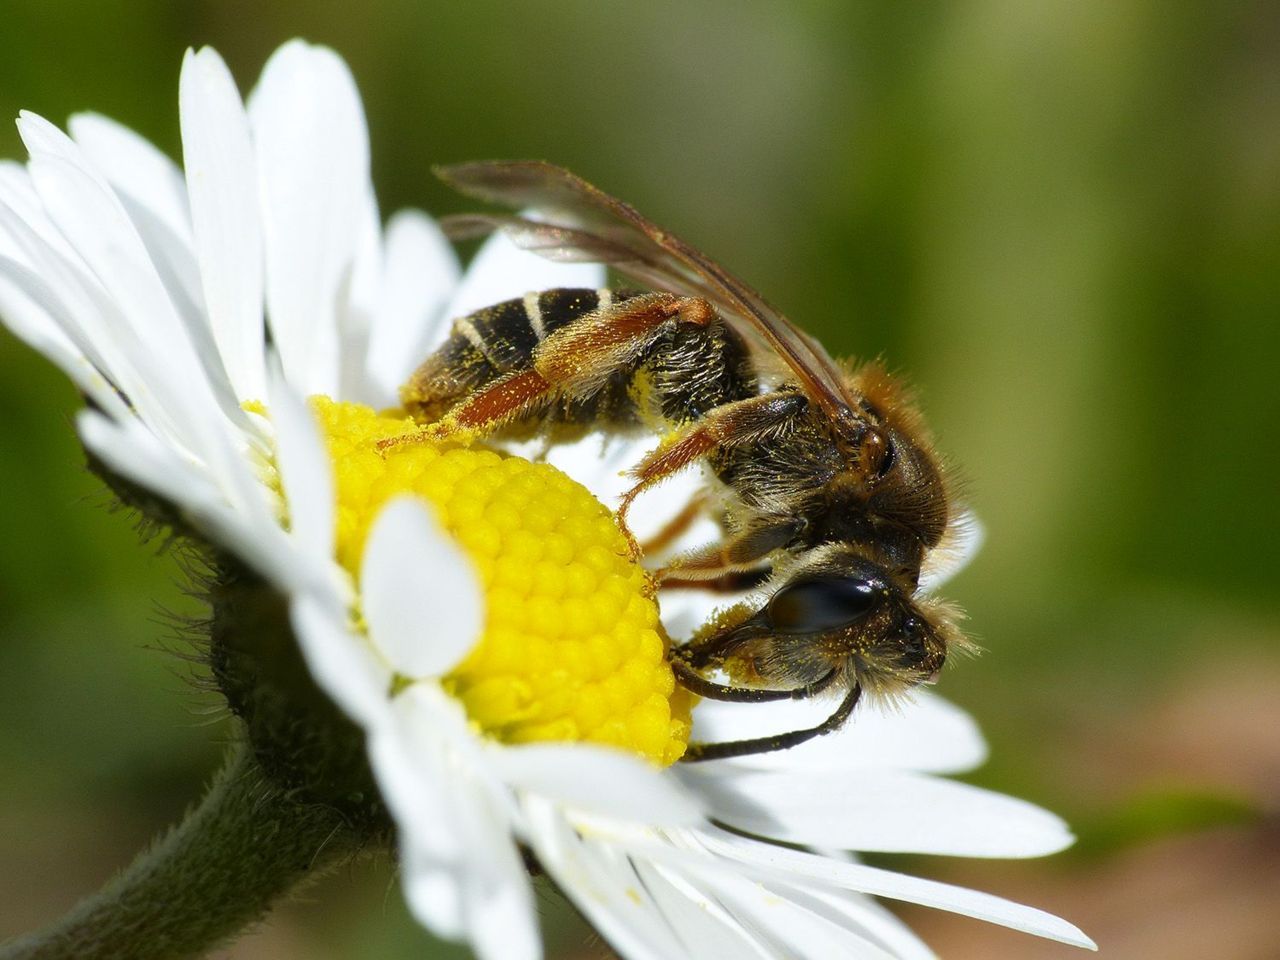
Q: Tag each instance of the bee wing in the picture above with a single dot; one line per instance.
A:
(585, 223)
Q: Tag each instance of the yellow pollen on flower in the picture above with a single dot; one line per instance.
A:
(572, 648)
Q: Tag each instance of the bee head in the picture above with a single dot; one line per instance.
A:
(840, 611)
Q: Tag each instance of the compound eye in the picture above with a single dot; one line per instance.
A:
(821, 603)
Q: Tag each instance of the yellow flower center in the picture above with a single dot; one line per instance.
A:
(572, 647)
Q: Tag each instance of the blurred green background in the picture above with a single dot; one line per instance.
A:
(1061, 219)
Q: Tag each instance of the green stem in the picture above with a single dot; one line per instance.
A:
(219, 870)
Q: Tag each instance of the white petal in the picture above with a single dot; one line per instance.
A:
(501, 913)
(313, 164)
(90, 215)
(417, 788)
(54, 279)
(788, 928)
(926, 734)
(706, 924)
(342, 663)
(597, 780)
(962, 543)
(305, 471)
(132, 450)
(778, 863)
(434, 893)
(18, 194)
(135, 167)
(503, 924)
(604, 887)
(51, 275)
(420, 273)
(222, 184)
(422, 598)
(357, 304)
(26, 315)
(882, 810)
(502, 271)
(129, 449)
(83, 311)
(175, 265)
(408, 750)
(462, 876)
(856, 911)
(134, 212)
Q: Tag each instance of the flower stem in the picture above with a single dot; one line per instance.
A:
(219, 870)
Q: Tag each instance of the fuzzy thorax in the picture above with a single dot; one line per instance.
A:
(572, 649)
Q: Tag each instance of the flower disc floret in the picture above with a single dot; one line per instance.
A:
(572, 648)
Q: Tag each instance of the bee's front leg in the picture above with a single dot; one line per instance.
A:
(742, 553)
(698, 752)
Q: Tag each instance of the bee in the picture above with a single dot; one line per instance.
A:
(832, 499)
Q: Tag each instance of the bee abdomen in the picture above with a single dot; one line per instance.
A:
(489, 344)
(679, 376)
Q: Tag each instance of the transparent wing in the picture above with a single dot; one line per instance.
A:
(583, 223)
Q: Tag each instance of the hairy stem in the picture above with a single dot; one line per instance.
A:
(219, 870)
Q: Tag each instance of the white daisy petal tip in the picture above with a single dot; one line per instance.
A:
(435, 899)
(504, 924)
(885, 811)
(774, 864)
(33, 127)
(422, 597)
(311, 144)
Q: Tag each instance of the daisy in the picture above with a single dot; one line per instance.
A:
(233, 325)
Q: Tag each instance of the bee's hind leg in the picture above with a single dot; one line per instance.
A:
(698, 752)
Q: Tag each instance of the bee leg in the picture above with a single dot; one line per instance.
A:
(696, 683)
(745, 550)
(730, 425)
(730, 581)
(501, 401)
(697, 752)
(479, 414)
(677, 525)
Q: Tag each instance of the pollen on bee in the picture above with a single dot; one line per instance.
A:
(572, 647)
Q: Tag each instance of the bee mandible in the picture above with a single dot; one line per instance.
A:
(831, 498)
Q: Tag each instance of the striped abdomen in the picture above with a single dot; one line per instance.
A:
(684, 372)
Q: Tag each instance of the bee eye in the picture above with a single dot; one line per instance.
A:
(821, 603)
